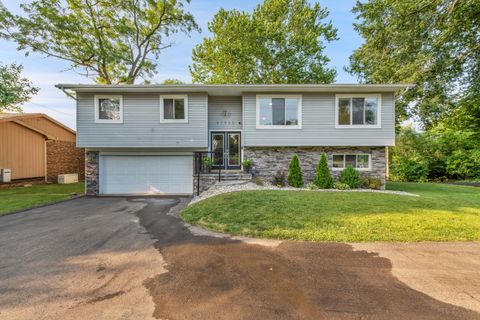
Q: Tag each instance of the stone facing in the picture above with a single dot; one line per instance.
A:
(268, 160)
(91, 172)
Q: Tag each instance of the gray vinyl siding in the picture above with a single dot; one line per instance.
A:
(141, 125)
(217, 105)
(318, 128)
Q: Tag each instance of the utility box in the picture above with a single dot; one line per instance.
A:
(67, 178)
(5, 175)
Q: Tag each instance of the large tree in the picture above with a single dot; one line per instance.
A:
(432, 43)
(112, 41)
(14, 89)
(281, 41)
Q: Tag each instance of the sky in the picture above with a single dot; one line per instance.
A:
(45, 72)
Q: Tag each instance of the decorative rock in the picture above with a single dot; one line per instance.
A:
(91, 172)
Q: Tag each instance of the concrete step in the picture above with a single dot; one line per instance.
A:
(231, 182)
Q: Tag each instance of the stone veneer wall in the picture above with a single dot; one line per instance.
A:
(64, 157)
(268, 160)
(206, 182)
(91, 172)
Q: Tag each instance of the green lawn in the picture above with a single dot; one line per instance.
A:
(441, 213)
(13, 199)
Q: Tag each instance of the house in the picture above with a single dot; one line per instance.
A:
(143, 138)
(34, 145)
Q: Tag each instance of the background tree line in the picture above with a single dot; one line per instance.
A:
(434, 44)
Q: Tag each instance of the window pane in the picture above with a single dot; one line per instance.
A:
(371, 111)
(168, 109)
(362, 161)
(278, 111)
(338, 160)
(179, 109)
(265, 112)
(109, 109)
(344, 111)
(357, 110)
(292, 112)
(350, 159)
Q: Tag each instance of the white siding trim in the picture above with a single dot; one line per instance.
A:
(359, 126)
(185, 106)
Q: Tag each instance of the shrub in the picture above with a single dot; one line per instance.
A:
(351, 177)
(408, 168)
(279, 179)
(323, 178)
(312, 186)
(464, 164)
(258, 181)
(340, 186)
(247, 164)
(295, 175)
(371, 183)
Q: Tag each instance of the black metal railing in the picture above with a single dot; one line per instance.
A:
(208, 162)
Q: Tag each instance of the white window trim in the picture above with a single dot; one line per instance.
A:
(346, 126)
(353, 154)
(174, 96)
(299, 112)
(97, 108)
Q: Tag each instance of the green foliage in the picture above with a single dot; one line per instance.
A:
(433, 44)
(371, 183)
(279, 179)
(208, 162)
(323, 178)
(341, 186)
(464, 164)
(172, 81)
(14, 90)
(312, 186)
(112, 41)
(350, 177)
(247, 164)
(281, 41)
(258, 181)
(295, 175)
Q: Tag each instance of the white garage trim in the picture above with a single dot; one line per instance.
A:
(146, 174)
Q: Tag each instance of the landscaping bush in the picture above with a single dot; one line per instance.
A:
(351, 177)
(279, 179)
(295, 175)
(312, 186)
(247, 165)
(408, 169)
(341, 186)
(258, 181)
(464, 164)
(371, 183)
(323, 178)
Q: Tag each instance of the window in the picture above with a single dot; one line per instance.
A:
(357, 111)
(358, 161)
(108, 109)
(278, 111)
(173, 108)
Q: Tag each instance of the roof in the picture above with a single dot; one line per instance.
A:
(18, 117)
(235, 89)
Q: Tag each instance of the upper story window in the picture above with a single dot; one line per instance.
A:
(357, 111)
(108, 109)
(279, 111)
(173, 109)
(358, 161)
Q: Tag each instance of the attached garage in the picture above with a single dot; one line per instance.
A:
(146, 174)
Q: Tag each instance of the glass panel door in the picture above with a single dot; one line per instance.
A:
(218, 145)
(233, 150)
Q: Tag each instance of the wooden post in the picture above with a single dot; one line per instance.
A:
(387, 163)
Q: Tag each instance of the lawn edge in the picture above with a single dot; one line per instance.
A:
(41, 205)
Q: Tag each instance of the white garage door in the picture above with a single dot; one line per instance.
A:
(146, 174)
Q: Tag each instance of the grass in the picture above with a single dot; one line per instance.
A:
(13, 199)
(441, 213)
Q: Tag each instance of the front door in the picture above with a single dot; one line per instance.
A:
(226, 150)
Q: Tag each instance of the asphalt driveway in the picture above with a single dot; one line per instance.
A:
(132, 258)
